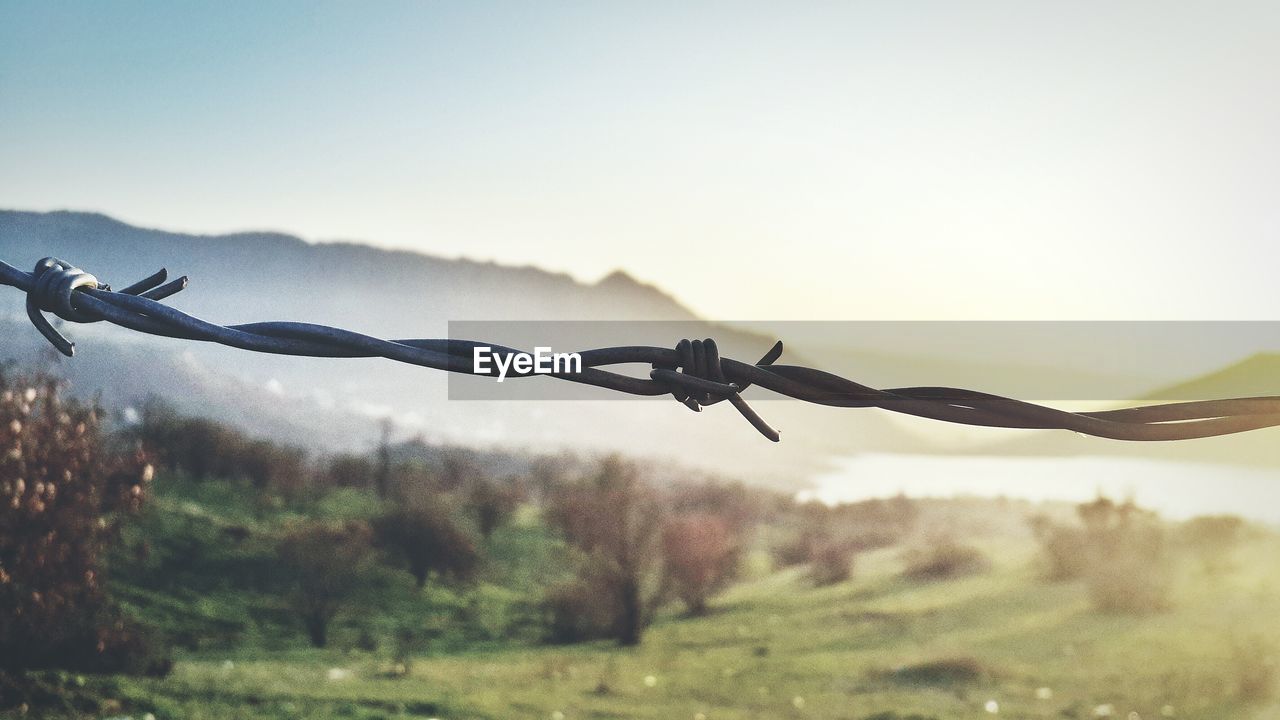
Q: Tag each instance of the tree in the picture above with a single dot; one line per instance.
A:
(615, 520)
(736, 506)
(832, 562)
(701, 554)
(354, 471)
(326, 563)
(64, 492)
(459, 468)
(429, 539)
(491, 504)
(271, 465)
(383, 474)
(205, 448)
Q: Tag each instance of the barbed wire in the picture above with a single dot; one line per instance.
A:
(693, 372)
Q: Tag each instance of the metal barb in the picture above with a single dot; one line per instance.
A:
(693, 373)
(56, 287)
(702, 382)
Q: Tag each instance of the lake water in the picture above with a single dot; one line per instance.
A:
(1176, 490)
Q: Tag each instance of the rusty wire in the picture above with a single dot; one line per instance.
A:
(693, 372)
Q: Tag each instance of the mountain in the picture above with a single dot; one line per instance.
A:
(238, 277)
(1256, 375)
(332, 404)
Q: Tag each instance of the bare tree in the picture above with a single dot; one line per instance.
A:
(326, 563)
(614, 518)
(430, 540)
(383, 475)
(701, 554)
(491, 503)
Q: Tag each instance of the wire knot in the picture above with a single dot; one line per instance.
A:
(55, 281)
(54, 289)
(697, 380)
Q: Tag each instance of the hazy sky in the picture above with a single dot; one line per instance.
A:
(798, 160)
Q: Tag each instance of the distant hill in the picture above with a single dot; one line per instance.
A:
(1254, 376)
(243, 277)
(333, 404)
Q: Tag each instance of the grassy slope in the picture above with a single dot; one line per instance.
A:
(777, 648)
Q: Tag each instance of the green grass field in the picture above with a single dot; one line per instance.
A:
(1004, 644)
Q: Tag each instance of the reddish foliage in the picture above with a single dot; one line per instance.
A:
(63, 492)
(702, 556)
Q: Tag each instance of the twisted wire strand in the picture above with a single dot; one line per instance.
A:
(693, 372)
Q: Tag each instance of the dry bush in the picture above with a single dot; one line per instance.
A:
(1212, 539)
(795, 550)
(354, 471)
(807, 527)
(814, 527)
(578, 611)
(326, 564)
(1129, 557)
(614, 519)
(429, 540)
(701, 555)
(943, 558)
(832, 563)
(1122, 552)
(63, 495)
(875, 523)
(491, 504)
(738, 507)
(1064, 549)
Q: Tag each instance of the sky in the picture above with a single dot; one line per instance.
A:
(854, 160)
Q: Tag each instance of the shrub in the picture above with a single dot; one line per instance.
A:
(876, 523)
(701, 556)
(1063, 548)
(809, 526)
(943, 559)
(613, 518)
(1129, 564)
(792, 551)
(326, 564)
(865, 525)
(832, 563)
(1212, 538)
(64, 493)
(354, 471)
(735, 505)
(944, 671)
(491, 504)
(205, 448)
(1121, 552)
(430, 541)
(578, 612)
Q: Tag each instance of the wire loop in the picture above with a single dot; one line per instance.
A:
(57, 287)
(701, 381)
